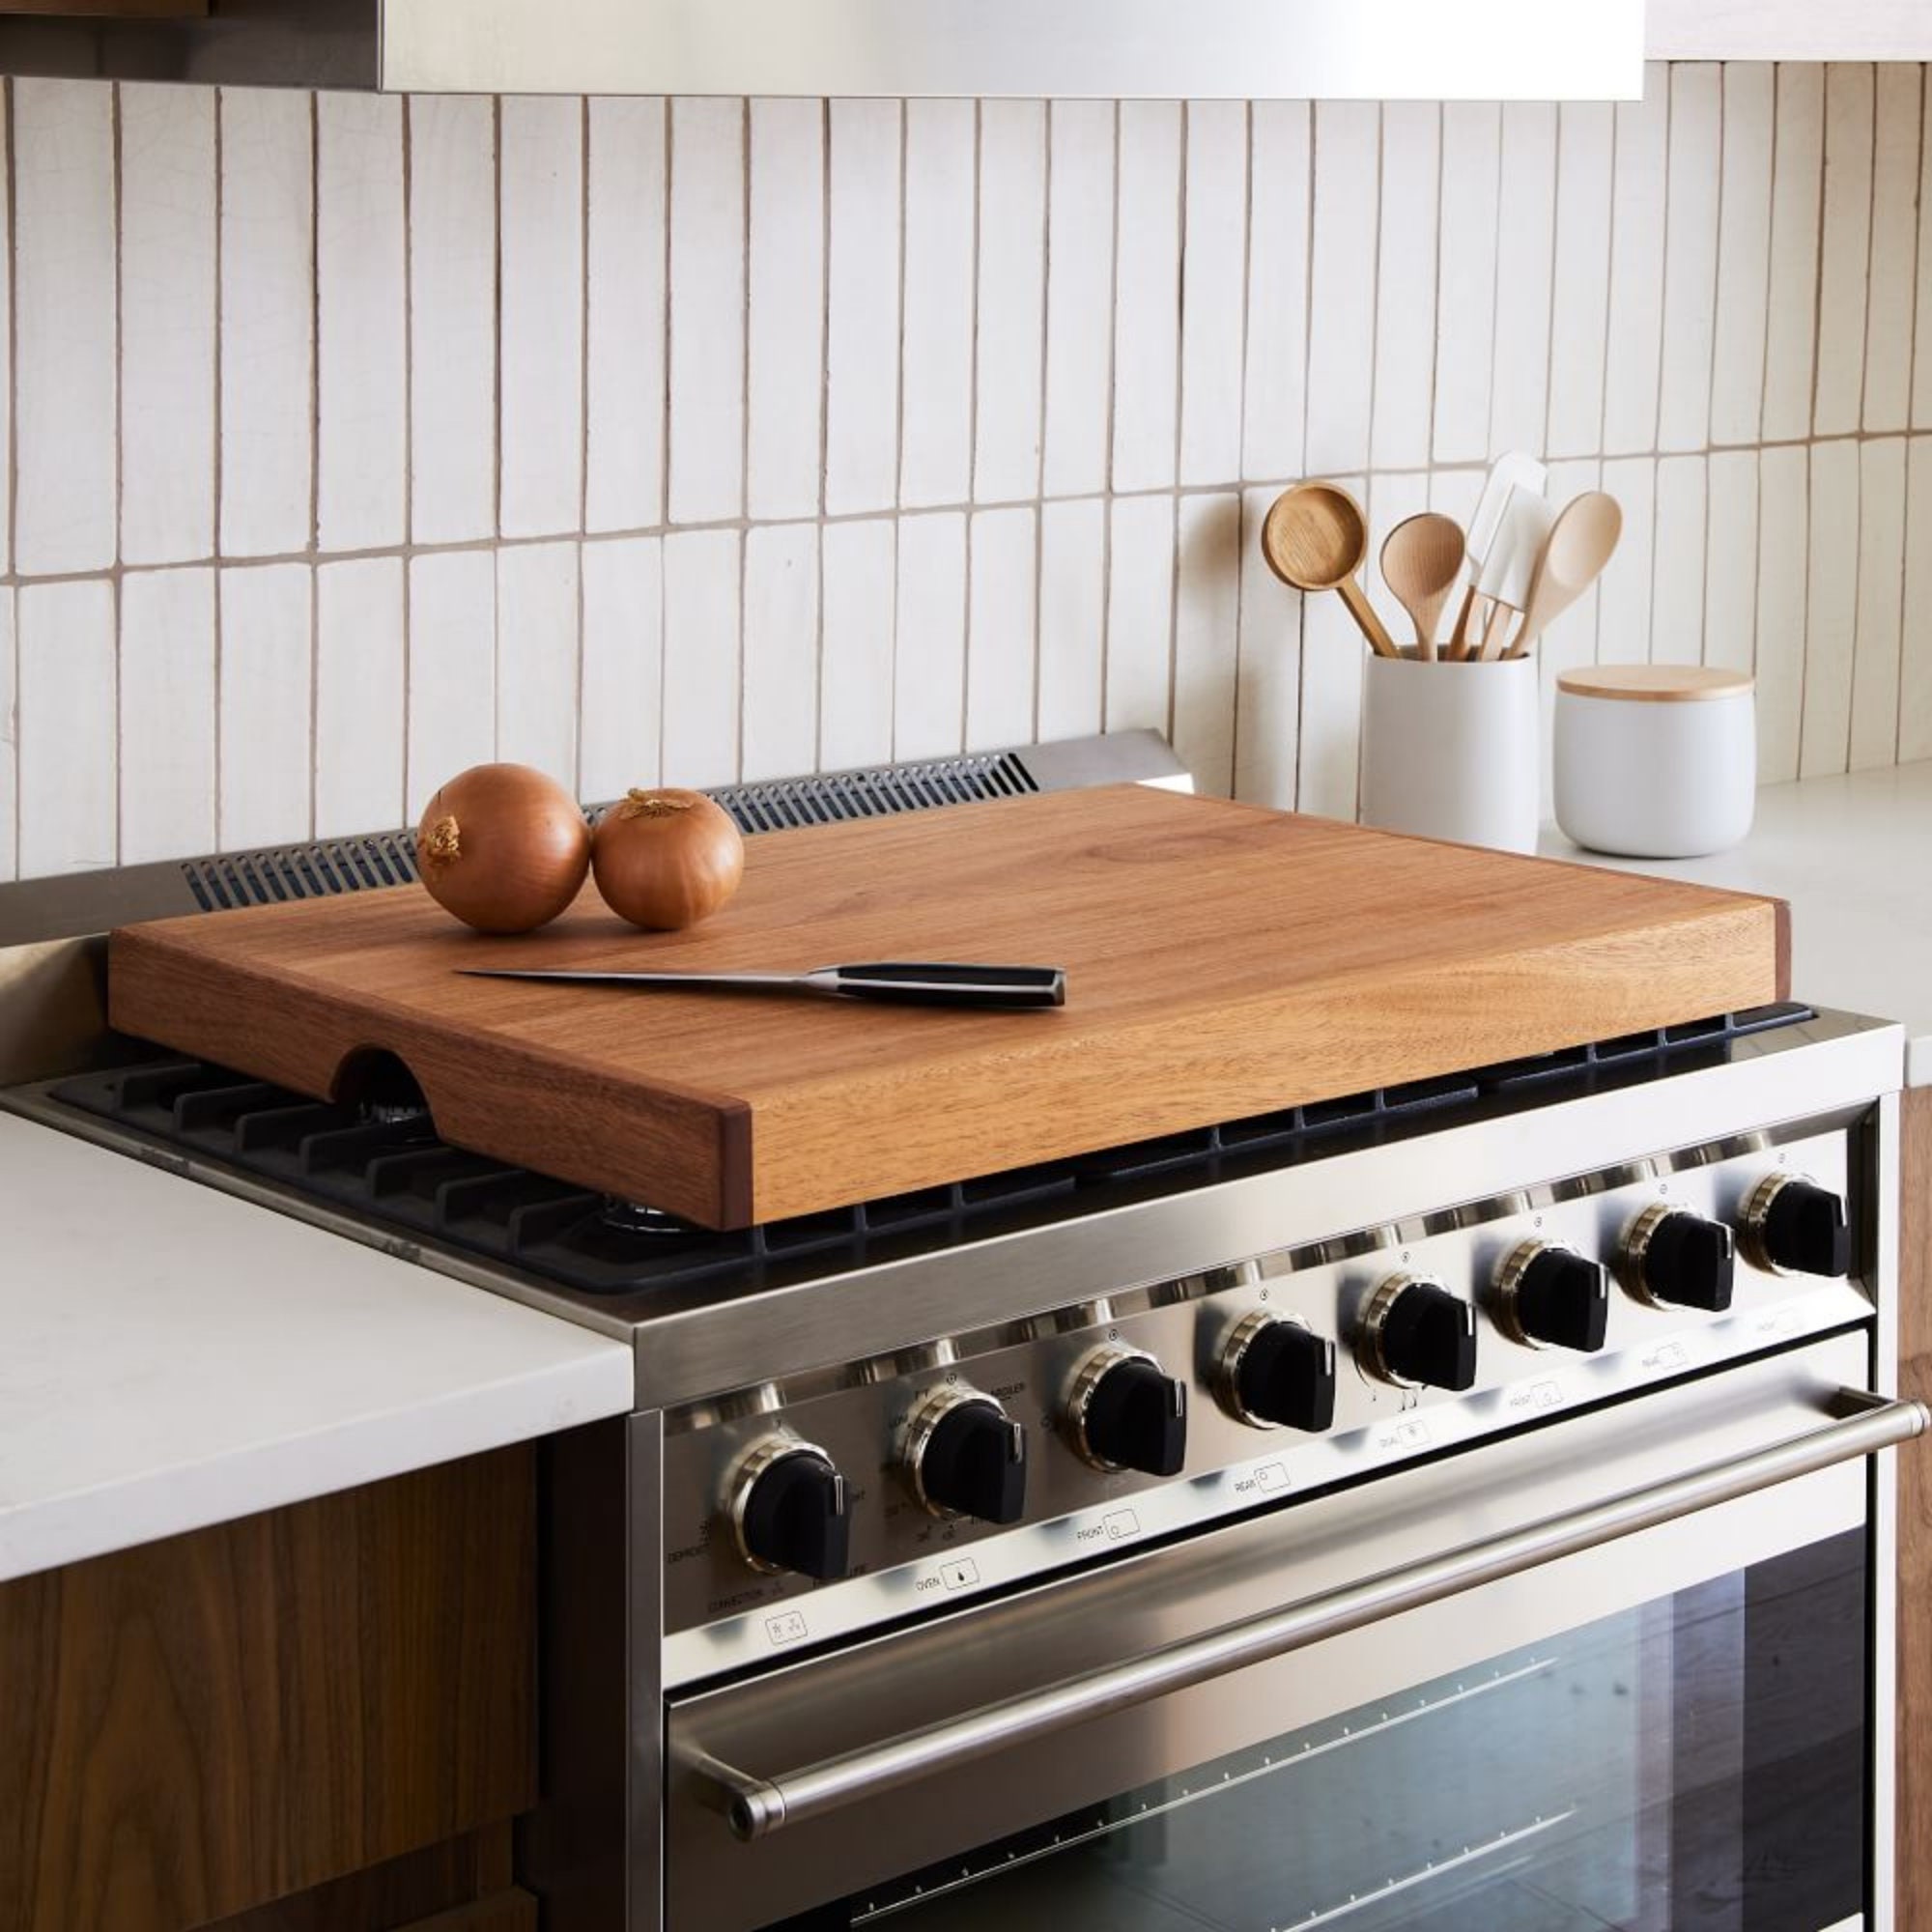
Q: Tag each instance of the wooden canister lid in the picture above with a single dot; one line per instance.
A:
(1655, 684)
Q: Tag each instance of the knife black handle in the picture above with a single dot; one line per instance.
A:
(949, 984)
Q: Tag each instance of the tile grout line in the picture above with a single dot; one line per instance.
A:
(744, 411)
(1039, 421)
(1241, 439)
(1910, 391)
(1307, 370)
(1865, 398)
(405, 136)
(1186, 113)
(314, 453)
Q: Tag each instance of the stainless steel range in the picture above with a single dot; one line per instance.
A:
(1451, 1507)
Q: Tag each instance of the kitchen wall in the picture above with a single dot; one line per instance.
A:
(353, 440)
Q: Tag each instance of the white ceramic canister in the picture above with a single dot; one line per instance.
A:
(1450, 751)
(1656, 762)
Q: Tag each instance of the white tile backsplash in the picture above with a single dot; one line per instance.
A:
(359, 440)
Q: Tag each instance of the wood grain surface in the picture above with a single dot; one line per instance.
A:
(1223, 960)
(1915, 1520)
(198, 1726)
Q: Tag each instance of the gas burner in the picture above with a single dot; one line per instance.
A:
(394, 1114)
(635, 1217)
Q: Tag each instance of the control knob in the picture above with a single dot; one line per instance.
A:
(964, 1455)
(788, 1508)
(1278, 1374)
(1793, 1225)
(1675, 1259)
(1418, 1335)
(1125, 1413)
(1550, 1296)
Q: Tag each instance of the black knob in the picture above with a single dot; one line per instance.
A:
(1421, 1335)
(1556, 1297)
(1128, 1414)
(790, 1510)
(1681, 1259)
(1277, 1373)
(968, 1458)
(1795, 1225)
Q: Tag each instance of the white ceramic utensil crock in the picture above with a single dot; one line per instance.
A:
(1449, 750)
(1656, 762)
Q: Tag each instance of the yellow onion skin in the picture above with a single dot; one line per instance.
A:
(503, 847)
(666, 859)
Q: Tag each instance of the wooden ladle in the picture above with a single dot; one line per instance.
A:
(1580, 543)
(1315, 538)
(1422, 558)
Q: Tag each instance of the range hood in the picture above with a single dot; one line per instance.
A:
(1295, 50)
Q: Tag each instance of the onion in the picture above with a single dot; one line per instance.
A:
(666, 859)
(503, 847)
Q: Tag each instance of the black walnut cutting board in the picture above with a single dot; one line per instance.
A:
(1223, 960)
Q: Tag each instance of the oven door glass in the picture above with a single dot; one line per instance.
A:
(1694, 1764)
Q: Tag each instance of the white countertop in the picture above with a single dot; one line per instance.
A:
(172, 1356)
(1854, 856)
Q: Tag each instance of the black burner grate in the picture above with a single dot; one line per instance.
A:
(388, 1166)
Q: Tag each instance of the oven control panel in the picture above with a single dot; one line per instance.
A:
(793, 1515)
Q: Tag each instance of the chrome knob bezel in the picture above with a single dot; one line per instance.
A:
(1754, 1219)
(1094, 1369)
(764, 1455)
(921, 1424)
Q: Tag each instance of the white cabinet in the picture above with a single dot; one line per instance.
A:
(1812, 30)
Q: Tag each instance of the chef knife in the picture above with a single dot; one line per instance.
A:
(926, 983)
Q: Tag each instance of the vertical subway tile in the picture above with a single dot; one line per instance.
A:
(707, 312)
(1207, 637)
(786, 360)
(1580, 296)
(1914, 676)
(855, 691)
(936, 433)
(1783, 567)
(1894, 237)
(167, 704)
(1272, 403)
(1147, 294)
(267, 319)
(1079, 295)
(1328, 753)
(167, 323)
(6, 443)
(780, 652)
(452, 670)
(623, 667)
(1830, 608)
(1744, 252)
(540, 221)
(1638, 218)
(1730, 571)
(1140, 612)
(1342, 293)
(624, 323)
(1213, 275)
(929, 637)
(862, 358)
(452, 142)
(63, 371)
(702, 671)
(1012, 291)
(1072, 617)
(1525, 240)
(1875, 667)
(65, 683)
(536, 657)
(1690, 255)
(1404, 370)
(1845, 248)
(361, 695)
(1624, 592)
(10, 734)
(1791, 335)
(265, 730)
(1677, 562)
(361, 332)
(1465, 291)
(1002, 576)
(1922, 339)
(1267, 670)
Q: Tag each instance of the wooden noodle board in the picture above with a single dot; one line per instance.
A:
(1223, 960)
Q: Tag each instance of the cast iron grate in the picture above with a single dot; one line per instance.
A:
(387, 1165)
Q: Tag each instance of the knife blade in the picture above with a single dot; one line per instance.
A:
(905, 982)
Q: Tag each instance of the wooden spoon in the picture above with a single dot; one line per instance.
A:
(1314, 539)
(1580, 543)
(1421, 559)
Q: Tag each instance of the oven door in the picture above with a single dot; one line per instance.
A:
(1608, 1672)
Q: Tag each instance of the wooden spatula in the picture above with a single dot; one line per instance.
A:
(1580, 543)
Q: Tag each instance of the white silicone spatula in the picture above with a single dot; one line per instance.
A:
(1514, 470)
(1510, 568)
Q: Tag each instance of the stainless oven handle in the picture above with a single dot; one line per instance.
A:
(757, 1806)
